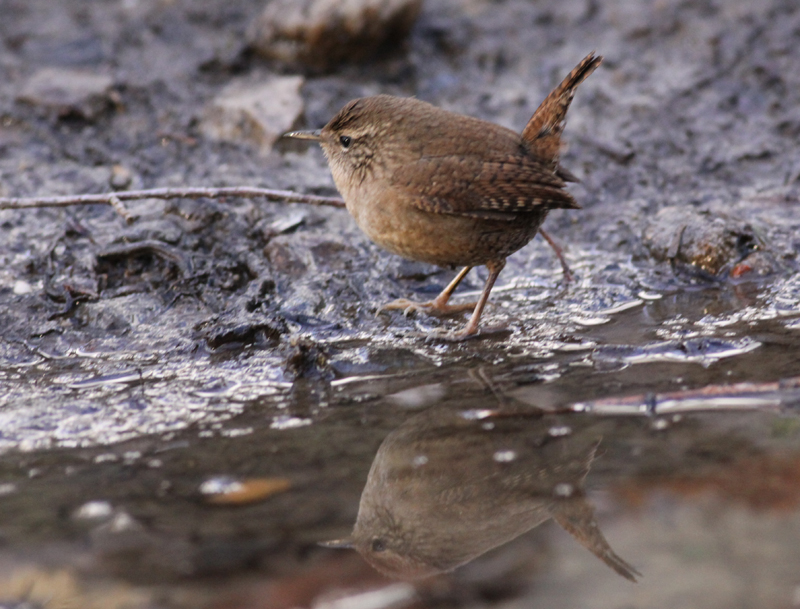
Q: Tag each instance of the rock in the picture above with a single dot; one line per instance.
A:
(284, 259)
(254, 112)
(68, 92)
(755, 265)
(709, 242)
(321, 34)
(333, 255)
(121, 177)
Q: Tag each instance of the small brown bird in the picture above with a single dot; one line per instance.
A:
(447, 189)
(444, 489)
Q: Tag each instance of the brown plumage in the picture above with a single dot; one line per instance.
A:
(448, 189)
(543, 131)
(437, 496)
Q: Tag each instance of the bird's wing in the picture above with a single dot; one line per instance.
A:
(501, 188)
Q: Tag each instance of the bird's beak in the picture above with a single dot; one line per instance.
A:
(304, 135)
(341, 544)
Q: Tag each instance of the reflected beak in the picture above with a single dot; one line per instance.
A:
(341, 544)
(304, 135)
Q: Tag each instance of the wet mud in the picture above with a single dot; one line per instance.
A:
(191, 400)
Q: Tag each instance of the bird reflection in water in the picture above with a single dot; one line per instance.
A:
(448, 486)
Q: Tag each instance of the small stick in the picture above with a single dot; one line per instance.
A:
(115, 198)
(120, 209)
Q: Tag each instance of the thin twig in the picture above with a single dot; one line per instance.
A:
(121, 209)
(113, 198)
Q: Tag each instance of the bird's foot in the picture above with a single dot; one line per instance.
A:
(448, 336)
(467, 333)
(432, 307)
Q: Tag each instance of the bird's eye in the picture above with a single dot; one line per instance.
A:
(378, 545)
(345, 141)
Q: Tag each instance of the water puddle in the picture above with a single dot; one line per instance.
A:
(436, 493)
(640, 434)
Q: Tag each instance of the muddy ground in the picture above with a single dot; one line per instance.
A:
(240, 336)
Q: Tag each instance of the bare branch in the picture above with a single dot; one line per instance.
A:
(121, 209)
(115, 198)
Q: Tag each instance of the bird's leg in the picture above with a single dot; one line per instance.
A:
(437, 306)
(568, 276)
(472, 325)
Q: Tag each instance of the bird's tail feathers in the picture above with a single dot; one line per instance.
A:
(544, 129)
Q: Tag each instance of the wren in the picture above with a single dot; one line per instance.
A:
(447, 189)
(444, 489)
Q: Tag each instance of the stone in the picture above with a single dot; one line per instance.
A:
(254, 112)
(321, 34)
(712, 243)
(68, 91)
(121, 177)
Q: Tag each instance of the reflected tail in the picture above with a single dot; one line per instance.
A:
(576, 516)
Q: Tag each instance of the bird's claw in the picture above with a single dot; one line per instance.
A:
(407, 306)
(459, 336)
(430, 308)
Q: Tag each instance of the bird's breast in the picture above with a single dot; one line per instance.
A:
(391, 219)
